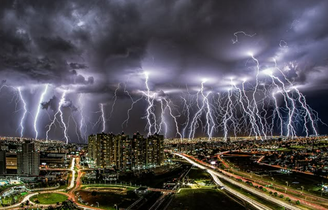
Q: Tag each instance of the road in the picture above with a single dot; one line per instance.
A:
(250, 189)
(70, 195)
(299, 194)
(255, 204)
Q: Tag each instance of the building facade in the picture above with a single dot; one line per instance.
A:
(124, 153)
(2, 162)
(28, 159)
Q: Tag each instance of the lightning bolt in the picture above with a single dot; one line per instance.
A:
(150, 100)
(186, 107)
(291, 109)
(61, 102)
(38, 111)
(60, 113)
(247, 110)
(210, 124)
(198, 114)
(227, 116)
(83, 125)
(162, 120)
(114, 101)
(302, 101)
(256, 110)
(24, 113)
(131, 107)
(103, 118)
(279, 116)
(174, 118)
(234, 41)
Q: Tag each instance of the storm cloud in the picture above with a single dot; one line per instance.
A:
(89, 47)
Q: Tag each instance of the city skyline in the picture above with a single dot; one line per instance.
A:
(71, 69)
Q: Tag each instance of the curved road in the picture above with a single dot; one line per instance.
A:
(60, 191)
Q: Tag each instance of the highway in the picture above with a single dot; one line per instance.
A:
(73, 175)
(281, 188)
(252, 202)
(255, 204)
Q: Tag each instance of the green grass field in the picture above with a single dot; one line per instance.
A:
(195, 199)
(198, 174)
(107, 200)
(49, 198)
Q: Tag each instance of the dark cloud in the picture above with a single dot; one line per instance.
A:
(51, 104)
(88, 47)
(55, 45)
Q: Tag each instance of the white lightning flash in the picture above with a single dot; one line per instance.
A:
(291, 109)
(163, 120)
(83, 126)
(103, 118)
(247, 110)
(174, 118)
(194, 121)
(38, 111)
(24, 113)
(186, 108)
(61, 102)
(234, 41)
(114, 100)
(149, 110)
(255, 106)
(60, 113)
(302, 101)
(126, 121)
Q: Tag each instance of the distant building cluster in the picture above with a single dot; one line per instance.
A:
(124, 153)
(24, 157)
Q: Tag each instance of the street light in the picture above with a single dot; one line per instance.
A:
(116, 207)
(287, 183)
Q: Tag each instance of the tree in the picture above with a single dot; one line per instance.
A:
(275, 194)
(298, 202)
(281, 196)
(288, 199)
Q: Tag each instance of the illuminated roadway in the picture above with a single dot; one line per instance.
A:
(252, 202)
(60, 191)
(256, 204)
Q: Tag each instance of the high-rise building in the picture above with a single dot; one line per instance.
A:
(2, 162)
(124, 153)
(28, 160)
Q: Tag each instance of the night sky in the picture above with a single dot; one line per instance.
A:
(93, 49)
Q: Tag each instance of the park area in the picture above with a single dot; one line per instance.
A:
(48, 198)
(106, 196)
(195, 199)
